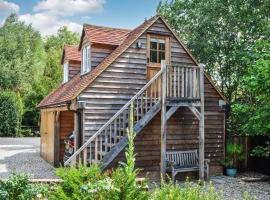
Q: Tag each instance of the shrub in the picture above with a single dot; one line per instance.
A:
(124, 177)
(73, 181)
(234, 154)
(18, 187)
(9, 114)
(170, 191)
(261, 151)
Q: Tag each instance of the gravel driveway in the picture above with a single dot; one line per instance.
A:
(22, 155)
(234, 188)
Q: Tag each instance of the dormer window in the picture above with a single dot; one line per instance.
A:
(65, 73)
(86, 60)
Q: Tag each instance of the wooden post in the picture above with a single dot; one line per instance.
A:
(163, 119)
(201, 126)
(56, 139)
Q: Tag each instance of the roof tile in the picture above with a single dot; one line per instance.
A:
(105, 35)
(71, 52)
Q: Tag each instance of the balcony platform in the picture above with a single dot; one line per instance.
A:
(183, 102)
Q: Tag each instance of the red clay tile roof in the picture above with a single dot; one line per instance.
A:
(105, 35)
(78, 83)
(71, 52)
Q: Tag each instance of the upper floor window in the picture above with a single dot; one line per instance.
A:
(86, 60)
(157, 50)
(65, 72)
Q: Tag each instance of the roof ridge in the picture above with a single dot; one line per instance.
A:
(107, 27)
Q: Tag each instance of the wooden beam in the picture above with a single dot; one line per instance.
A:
(52, 109)
(201, 125)
(163, 120)
(56, 138)
(171, 111)
(182, 104)
(195, 111)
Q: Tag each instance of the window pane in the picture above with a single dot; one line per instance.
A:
(161, 56)
(153, 45)
(162, 46)
(153, 56)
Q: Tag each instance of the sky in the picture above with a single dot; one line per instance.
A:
(47, 16)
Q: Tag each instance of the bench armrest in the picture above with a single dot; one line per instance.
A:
(170, 163)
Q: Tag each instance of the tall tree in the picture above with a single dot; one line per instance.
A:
(21, 55)
(220, 34)
(53, 72)
(54, 47)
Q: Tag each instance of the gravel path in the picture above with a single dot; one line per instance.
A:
(234, 188)
(22, 155)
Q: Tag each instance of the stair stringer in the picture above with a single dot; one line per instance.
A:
(110, 156)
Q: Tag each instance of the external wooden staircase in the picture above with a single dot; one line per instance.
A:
(171, 88)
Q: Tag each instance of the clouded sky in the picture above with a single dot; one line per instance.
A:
(48, 15)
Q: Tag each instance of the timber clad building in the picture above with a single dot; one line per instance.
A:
(147, 71)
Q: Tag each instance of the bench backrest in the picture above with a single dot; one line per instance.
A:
(183, 158)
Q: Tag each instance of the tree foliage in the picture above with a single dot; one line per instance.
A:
(232, 39)
(9, 114)
(52, 74)
(21, 55)
(251, 113)
(30, 65)
(220, 34)
(54, 48)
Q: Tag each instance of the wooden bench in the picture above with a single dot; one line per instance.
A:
(184, 161)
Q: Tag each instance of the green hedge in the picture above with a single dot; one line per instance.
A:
(9, 114)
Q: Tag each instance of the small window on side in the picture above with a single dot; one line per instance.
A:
(86, 60)
(65, 72)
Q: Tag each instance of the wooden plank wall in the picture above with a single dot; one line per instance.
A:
(123, 79)
(114, 87)
(66, 119)
(182, 134)
(98, 53)
(178, 53)
(74, 67)
(47, 136)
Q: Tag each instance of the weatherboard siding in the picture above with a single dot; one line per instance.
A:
(182, 134)
(73, 69)
(112, 89)
(123, 79)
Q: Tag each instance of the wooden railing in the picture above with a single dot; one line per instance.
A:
(99, 144)
(183, 82)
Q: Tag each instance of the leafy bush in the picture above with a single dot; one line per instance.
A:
(234, 153)
(73, 181)
(124, 177)
(261, 151)
(9, 114)
(18, 187)
(171, 191)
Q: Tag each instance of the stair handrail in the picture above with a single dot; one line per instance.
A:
(91, 139)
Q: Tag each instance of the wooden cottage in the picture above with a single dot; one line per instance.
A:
(176, 106)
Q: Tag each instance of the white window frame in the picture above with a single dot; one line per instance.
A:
(65, 72)
(86, 60)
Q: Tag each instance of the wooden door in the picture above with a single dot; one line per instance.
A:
(158, 48)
